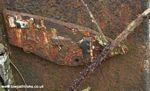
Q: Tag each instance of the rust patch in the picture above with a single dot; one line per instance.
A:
(53, 44)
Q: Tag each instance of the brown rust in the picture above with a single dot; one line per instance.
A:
(117, 75)
(40, 39)
(54, 40)
(69, 25)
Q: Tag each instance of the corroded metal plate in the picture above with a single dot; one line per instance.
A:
(54, 41)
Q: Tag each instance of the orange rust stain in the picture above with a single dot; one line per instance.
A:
(15, 36)
(72, 53)
(18, 37)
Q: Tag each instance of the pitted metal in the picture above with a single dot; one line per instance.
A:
(58, 43)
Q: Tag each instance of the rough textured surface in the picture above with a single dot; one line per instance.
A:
(120, 73)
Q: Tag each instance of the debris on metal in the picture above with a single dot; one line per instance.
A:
(107, 50)
(54, 40)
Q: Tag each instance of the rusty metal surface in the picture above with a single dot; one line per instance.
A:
(108, 14)
(102, 56)
(40, 41)
(55, 40)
